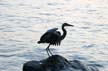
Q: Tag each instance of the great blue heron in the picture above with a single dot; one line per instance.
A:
(53, 37)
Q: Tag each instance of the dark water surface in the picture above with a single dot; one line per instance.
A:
(22, 22)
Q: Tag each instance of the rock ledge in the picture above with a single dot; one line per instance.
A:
(57, 63)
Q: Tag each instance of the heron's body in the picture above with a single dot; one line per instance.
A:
(53, 37)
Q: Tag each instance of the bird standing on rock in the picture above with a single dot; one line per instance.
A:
(53, 37)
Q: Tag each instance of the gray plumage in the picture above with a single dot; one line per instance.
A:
(53, 37)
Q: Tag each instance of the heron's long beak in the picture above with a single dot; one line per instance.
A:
(70, 25)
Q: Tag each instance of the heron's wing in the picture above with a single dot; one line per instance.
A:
(57, 33)
(55, 37)
(51, 37)
(52, 30)
(45, 37)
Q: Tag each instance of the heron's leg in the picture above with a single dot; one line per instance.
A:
(47, 49)
(50, 51)
(47, 52)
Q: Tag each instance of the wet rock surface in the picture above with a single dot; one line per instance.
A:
(57, 63)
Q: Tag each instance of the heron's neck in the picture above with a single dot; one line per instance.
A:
(64, 32)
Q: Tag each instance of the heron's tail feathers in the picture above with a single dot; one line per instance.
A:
(39, 42)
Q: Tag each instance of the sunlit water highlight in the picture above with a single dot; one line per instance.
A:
(22, 22)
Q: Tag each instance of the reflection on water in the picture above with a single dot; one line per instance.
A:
(22, 22)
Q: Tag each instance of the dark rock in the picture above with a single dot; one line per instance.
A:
(57, 63)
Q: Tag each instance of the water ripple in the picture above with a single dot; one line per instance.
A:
(6, 55)
(22, 22)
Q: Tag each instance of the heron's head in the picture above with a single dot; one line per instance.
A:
(66, 24)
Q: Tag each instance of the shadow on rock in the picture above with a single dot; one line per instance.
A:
(57, 63)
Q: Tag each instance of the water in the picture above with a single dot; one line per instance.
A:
(22, 22)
